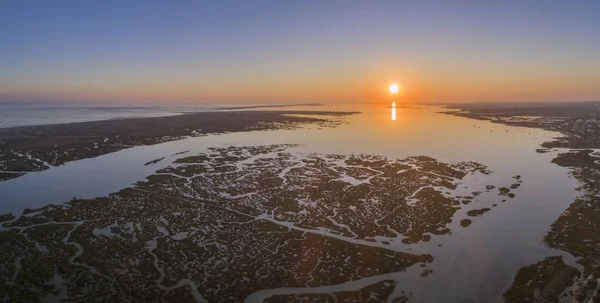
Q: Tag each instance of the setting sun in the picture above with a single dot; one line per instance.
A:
(393, 88)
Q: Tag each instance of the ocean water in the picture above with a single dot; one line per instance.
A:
(474, 264)
(40, 113)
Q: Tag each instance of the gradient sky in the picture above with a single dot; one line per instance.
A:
(299, 51)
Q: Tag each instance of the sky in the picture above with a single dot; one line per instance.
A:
(299, 51)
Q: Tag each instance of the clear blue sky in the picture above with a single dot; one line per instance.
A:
(299, 51)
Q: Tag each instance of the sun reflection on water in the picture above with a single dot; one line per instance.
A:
(394, 111)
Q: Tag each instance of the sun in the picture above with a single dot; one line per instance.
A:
(393, 88)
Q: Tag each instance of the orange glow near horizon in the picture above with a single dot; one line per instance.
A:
(364, 86)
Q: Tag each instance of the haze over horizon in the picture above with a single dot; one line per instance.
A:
(284, 52)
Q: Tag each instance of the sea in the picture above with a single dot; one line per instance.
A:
(13, 114)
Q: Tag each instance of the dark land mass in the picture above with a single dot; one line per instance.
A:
(35, 148)
(373, 293)
(541, 282)
(268, 106)
(225, 224)
(465, 222)
(154, 161)
(577, 230)
(524, 107)
(578, 121)
(477, 212)
(233, 221)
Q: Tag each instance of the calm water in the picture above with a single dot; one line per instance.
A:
(41, 113)
(474, 264)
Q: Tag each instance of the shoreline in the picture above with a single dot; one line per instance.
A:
(38, 147)
(158, 111)
(267, 106)
(570, 233)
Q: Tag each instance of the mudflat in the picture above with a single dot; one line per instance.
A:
(224, 225)
(36, 148)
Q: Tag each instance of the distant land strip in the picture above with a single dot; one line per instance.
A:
(268, 106)
(37, 148)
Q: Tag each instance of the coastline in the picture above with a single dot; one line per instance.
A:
(575, 230)
(35, 148)
(267, 106)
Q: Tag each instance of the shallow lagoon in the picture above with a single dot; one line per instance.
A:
(473, 264)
